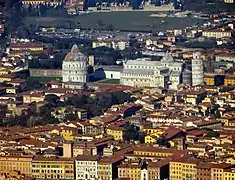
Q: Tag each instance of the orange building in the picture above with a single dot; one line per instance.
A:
(229, 80)
(209, 80)
(213, 79)
(26, 46)
(21, 163)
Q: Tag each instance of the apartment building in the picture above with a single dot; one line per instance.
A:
(20, 162)
(52, 168)
(217, 33)
(86, 167)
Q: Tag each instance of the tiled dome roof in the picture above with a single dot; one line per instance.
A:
(75, 55)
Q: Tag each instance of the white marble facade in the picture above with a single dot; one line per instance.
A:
(146, 73)
(197, 69)
(74, 67)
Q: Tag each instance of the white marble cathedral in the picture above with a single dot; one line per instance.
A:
(146, 73)
(74, 67)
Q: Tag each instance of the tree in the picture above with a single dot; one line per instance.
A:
(45, 116)
(135, 4)
(33, 83)
(162, 141)
(212, 134)
(131, 132)
(226, 89)
(70, 116)
(157, 3)
(79, 101)
(33, 121)
(120, 97)
(5, 84)
(141, 137)
(98, 104)
(52, 98)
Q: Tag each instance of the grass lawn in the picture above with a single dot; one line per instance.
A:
(44, 79)
(110, 81)
(129, 21)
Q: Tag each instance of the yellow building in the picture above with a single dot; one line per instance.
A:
(3, 71)
(37, 98)
(193, 97)
(150, 130)
(104, 170)
(229, 122)
(20, 163)
(116, 132)
(184, 168)
(33, 97)
(229, 1)
(27, 46)
(217, 171)
(67, 133)
(207, 100)
(6, 78)
(216, 33)
(151, 151)
(11, 90)
(149, 42)
(209, 80)
(96, 44)
(229, 174)
(52, 168)
(229, 80)
(130, 171)
(151, 139)
(107, 167)
(229, 150)
(15, 108)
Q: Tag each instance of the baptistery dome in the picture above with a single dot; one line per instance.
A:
(75, 55)
(74, 67)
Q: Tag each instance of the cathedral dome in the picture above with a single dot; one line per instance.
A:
(75, 55)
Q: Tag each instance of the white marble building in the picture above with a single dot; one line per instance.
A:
(74, 67)
(146, 73)
(86, 167)
(197, 69)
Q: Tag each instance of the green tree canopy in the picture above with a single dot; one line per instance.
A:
(52, 98)
(131, 132)
(212, 134)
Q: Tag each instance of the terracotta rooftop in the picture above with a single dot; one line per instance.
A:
(43, 158)
(87, 158)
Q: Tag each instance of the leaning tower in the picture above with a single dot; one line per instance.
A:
(197, 69)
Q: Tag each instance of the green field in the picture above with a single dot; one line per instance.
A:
(110, 81)
(129, 21)
(44, 79)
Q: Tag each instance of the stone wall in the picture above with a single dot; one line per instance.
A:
(45, 72)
